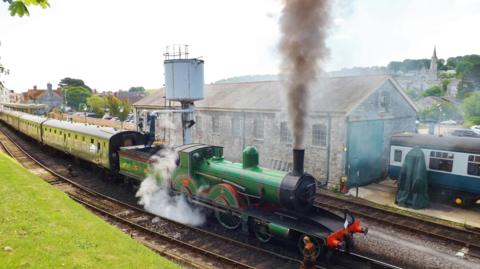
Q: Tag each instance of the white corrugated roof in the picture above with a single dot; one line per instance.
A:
(334, 94)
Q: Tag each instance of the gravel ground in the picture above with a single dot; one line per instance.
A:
(411, 251)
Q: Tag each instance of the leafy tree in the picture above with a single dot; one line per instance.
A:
(471, 108)
(463, 64)
(97, 104)
(433, 91)
(445, 83)
(4, 71)
(126, 109)
(117, 107)
(440, 112)
(408, 65)
(73, 82)
(76, 95)
(470, 81)
(113, 104)
(20, 7)
(139, 89)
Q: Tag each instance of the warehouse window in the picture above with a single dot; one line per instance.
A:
(258, 129)
(384, 101)
(442, 161)
(397, 156)
(215, 124)
(473, 165)
(319, 135)
(236, 127)
(285, 136)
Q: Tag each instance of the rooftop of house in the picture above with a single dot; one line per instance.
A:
(333, 94)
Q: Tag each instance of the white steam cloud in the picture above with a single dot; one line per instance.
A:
(155, 195)
(304, 26)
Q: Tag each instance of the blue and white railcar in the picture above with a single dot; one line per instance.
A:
(453, 163)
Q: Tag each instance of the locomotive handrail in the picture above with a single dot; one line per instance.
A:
(222, 180)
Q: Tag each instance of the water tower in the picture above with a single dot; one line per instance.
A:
(184, 84)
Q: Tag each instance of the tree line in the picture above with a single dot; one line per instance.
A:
(77, 94)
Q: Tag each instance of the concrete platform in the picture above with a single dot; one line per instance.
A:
(384, 193)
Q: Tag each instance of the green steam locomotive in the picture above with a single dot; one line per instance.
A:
(245, 196)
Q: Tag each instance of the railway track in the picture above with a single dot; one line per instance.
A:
(187, 245)
(190, 246)
(462, 237)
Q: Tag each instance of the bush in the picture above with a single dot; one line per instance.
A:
(433, 91)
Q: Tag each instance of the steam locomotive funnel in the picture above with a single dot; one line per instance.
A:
(298, 157)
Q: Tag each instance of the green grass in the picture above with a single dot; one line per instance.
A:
(46, 229)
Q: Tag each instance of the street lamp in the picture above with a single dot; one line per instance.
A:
(62, 108)
(83, 107)
(120, 109)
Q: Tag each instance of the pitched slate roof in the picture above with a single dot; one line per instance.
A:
(334, 94)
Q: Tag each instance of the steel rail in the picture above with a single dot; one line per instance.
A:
(462, 237)
(92, 207)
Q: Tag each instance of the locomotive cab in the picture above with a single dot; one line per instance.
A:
(122, 139)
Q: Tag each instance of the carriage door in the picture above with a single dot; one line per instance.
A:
(64, 141)
(365, 150)
(99, 154)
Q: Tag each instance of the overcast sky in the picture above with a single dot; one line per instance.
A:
(115, 44)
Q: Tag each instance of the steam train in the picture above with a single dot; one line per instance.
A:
(262, 202)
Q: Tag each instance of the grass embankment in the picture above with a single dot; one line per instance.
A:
(40, 227)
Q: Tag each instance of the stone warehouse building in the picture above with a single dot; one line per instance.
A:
(348, 131)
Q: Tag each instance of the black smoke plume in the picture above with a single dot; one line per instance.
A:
(304, 25)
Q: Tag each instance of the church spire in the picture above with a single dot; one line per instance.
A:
(434, 65)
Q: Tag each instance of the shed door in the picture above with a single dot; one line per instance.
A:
(365, 151)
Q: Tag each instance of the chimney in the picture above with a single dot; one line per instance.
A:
(298, 156)
(35, 87)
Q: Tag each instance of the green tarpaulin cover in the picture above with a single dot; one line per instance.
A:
(413, 183)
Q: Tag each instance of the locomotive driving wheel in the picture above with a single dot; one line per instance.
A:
(261, 232)
(227, 219)
(226, 197)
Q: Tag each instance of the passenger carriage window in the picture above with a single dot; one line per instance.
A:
(397, 156)
(473, 167)
(442, 161)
